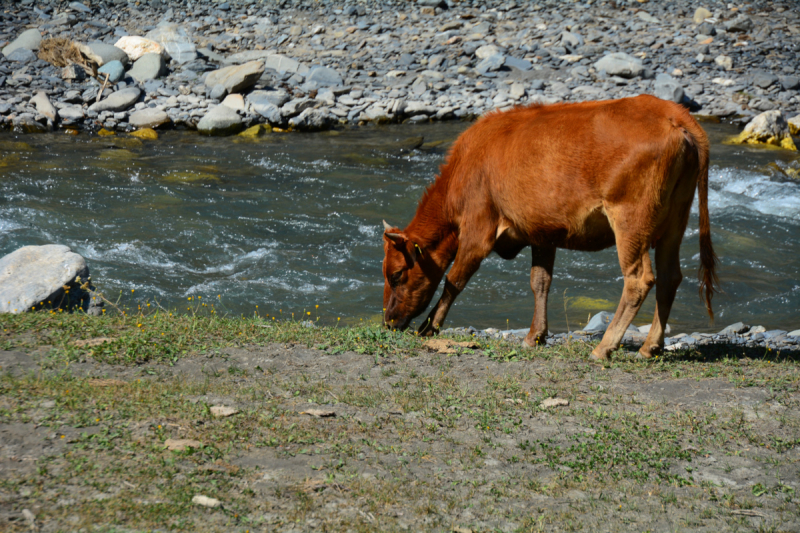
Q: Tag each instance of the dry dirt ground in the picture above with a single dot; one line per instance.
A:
(326, 441)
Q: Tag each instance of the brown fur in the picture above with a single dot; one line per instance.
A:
(576, 176)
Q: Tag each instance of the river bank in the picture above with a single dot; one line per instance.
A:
(157, 422)
(312, 65)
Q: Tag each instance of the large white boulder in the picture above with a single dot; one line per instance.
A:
(36, 276)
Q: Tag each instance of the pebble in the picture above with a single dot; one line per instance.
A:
(220, 120)
(118, 101)
(148, 117)
(27, 40)
(148, 67)
(102, 53)
(115, 70)
(734, 334)
(404, 61)
(205, 501)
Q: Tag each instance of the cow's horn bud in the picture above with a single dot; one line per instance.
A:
(386, 226)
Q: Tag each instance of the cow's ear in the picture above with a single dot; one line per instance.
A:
(396, 237)
(394, 234)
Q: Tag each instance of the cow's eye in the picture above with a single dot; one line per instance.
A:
(394, 279)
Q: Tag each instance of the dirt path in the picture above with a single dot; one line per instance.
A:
(427, 442)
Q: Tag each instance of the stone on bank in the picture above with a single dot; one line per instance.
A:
(37, 276)
(220, 120)
(28, 40)
(148, 117)
(770, 127)
(237, 78)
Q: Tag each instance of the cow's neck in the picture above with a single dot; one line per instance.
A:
(433, 228)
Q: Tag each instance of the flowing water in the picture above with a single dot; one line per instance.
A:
(289, 222)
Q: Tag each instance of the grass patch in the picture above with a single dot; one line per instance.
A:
(419, 440)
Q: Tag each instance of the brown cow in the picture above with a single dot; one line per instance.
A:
(580, 176)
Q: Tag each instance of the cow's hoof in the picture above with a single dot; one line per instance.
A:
(600, 355)
(648, 353)
(535, 340)
(428, 331)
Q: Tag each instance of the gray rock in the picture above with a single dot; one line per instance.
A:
(764, 79)
(33, 275)
(271, 112)
(22, 55)
(180, 52)
(326, 96)
(647, 17)
(237, 78)
(573, 40)
(244, 57)
(27, 123)
(71, 113)
(220, 120)
(148, 117)
(118, 101)
(28, 40)
(790, 83)
(77, 6)
(176, 42)
(742, 23)
(706, 28)
(211, 55)
(283, 64)
(795, 333)
(491, 63)
(416, 108)
(324, 77)
(102, 53)
(646, 329)
(487, 50)
(296, 106)
(599, 322)
(115, 70)
(218, 92)
(737, 329)
(620, 64)
(267, 103)
(668, 88)
(313, 119)
(43, 105)
(148, 67)
(73, 73)
(521, 64)
(724, 61)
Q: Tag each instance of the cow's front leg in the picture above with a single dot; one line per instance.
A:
(468, 259)
(439, 312)
(543, 258)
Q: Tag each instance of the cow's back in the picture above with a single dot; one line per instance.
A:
(553, 169)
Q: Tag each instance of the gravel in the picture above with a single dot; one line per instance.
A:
(399, 61)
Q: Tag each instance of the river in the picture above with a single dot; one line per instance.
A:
(291, 224)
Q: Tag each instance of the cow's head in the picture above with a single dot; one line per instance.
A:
(410, 278)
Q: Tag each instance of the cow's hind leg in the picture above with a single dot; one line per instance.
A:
(668, 278)
(638, 272)
(543, 258)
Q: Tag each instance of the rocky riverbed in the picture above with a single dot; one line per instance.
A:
(318, 64)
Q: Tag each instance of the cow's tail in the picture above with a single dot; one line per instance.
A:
(708, 259)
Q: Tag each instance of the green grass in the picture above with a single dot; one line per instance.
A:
(454, 425)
